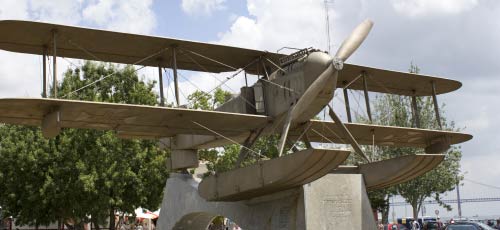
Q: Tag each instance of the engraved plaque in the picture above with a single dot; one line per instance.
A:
(337, 209)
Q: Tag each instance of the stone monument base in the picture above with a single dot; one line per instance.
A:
(335, 201)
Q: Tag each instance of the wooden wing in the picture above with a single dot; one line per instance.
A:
(108, 46)
(366, 134)
(101, 45)
(136, 120)
(393, 82)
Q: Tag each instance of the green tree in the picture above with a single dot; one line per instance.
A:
(395, 110)
(82, 173)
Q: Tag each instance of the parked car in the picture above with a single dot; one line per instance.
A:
(395, 227)
(431, 225)
(408, 220)
(468, 225)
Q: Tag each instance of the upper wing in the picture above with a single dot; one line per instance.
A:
(365, 134)
(101, 45)
(134, 120)
(393, 82)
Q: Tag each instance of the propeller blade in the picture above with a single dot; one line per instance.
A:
(312, 91)
(347, 134)
(354, 40)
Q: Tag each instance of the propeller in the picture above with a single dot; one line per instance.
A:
(352, 43)
(347, 48)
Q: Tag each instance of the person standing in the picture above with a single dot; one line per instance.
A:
(439, 224)
(497, 226)
(380, 226)
(415, 225)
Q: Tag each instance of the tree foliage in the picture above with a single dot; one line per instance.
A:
(395, 110)
(82, 173)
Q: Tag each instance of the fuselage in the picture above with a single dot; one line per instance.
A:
(275, 95)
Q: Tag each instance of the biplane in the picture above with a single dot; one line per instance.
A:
(291, 89)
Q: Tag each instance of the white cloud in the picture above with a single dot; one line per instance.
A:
(100, 12)
(416, 8)
(202, 7)
(275, 24)
(14, 9)
(243, 27)
(21, 74)
(56, 11)
(135, 16)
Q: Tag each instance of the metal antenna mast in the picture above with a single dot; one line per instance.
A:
(328, 43)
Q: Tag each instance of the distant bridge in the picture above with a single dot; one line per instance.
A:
(481, 197)
(451, 201)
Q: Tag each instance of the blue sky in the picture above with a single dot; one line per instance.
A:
(457, 39)
(204, 27)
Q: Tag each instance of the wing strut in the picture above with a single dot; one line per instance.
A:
(174, 69)
(54, 62)
(416, 115)
(347, 106)
(247, 144)
(347, 134)
(367, 98)
(436, 106)
(44, 56)
(160, 82)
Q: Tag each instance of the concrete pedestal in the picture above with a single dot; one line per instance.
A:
(335, 201)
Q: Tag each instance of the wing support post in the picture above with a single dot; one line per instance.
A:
(51, 124)
(248, 144)
(346, 95)
(347, 106)
(367, 98)
(174, 69)
(416, 115)
(160, 78)
(54, 61)
(347, 134)
(436, 106)
(44, 62)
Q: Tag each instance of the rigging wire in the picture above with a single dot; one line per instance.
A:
(280, 86)
(190, 82)
(210, 59)
(170, 86)
(227, 138)
(483, 184)
(232, 76)
(322, 136)
(112, 74)
(206, 70)
(301, 135)
(85, 50)
(71, 63)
